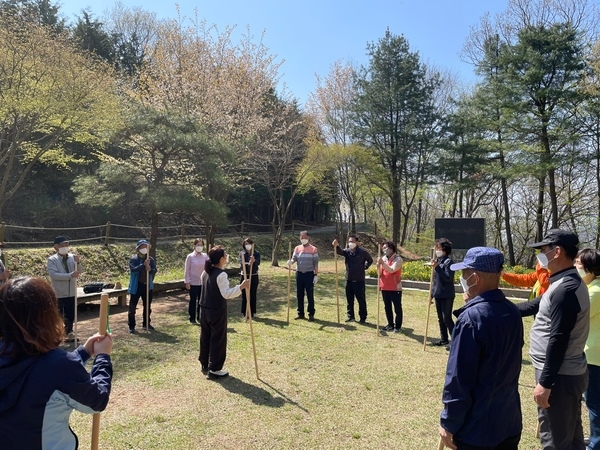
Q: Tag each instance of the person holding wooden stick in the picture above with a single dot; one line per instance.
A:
(443, 289)
(63, 269)
(142, 268)
(357, 261)
(482, 408)
(390, 284)
(41, 384)
(249, 267)
(213, 313)
(306, 256)
(192, 271)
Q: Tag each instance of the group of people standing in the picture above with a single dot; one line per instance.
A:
(482, 408)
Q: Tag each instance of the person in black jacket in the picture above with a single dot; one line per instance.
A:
(249, 263)
(357, 261)
(443, 288)
(213, 313)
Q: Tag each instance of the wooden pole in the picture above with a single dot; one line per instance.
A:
(337, 283)
(429, 302)
(103, 319)
(377, 287)
(289, 282)
(148, 289)
(441, 444)
(248, 309)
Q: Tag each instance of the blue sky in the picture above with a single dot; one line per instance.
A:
(311, 35)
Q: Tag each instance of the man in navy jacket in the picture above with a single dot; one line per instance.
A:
(482, 408)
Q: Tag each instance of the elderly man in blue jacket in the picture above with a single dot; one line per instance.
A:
(482, 408)
(142, 269)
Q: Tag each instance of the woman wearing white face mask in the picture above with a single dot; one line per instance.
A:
(587, 263)
(192, 271)
(249, 263)
(443, 288)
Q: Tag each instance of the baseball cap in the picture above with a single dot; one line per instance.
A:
(140, 243)
(482, 259)
(60, 239)
(556, 236)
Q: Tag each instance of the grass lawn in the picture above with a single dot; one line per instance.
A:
(322, 385)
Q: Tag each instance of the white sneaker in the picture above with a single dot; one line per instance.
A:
(216, 374)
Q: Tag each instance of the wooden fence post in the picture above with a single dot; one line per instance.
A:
(107, 234)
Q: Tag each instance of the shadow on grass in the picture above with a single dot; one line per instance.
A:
(257, 394)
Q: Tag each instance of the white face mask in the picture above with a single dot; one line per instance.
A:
(439, 253)
(63, 250)
(351, 245)
(304, 241)
(543, 259)
(143, 251)
(248, 247)
(464, 282)
(199, 248)
(582, 273)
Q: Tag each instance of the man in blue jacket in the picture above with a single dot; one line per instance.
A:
(482, 408)
(142, 270)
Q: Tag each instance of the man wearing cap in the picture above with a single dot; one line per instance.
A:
(557, 341)
(63, 269)
(142, 269)
(482, 408)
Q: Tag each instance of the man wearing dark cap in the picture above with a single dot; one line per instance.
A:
(63, 269)
(482, 409)
(557, 341)
(142, 269)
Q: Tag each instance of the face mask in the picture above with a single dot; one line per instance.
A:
(388, 252)
(304, 241)
(439, 253)
(582, 273)
(465, 283)
(543, 259)
(199, 248)
(351, 245)
(143, 251)
(63, 250)
(248, 247)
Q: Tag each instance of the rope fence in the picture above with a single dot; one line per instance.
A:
(22, 236)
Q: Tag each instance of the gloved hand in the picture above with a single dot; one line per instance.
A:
(290, 262)
(315, 279)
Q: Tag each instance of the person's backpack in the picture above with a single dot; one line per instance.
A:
(93, 287)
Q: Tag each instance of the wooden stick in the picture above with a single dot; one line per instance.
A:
(289, 283)
(441, 444)
(75, 316)
(101, 330)
(537, 430)
(429, 302)
(378, 278)
(337, 283)
(248, 310)
(148, 289)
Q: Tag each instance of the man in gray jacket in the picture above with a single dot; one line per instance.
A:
(63, 269)
(557, 341)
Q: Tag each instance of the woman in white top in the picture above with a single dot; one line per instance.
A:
(192, 274)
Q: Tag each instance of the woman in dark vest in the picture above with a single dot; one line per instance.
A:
(213, 313)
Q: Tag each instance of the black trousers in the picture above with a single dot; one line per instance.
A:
(253, 288)
(304, 282)
(443, 306)
(213, 338)
(133, 302)
(511, 443)
(194, 307)
(356, 289)
(66, 306)
(393, 298)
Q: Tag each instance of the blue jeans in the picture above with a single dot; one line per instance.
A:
(592, 400)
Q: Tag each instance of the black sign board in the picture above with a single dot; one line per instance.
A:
(463, 233)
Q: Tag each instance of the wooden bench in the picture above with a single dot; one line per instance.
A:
(121, 293)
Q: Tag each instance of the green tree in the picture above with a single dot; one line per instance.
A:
(51, 95)
(394, 114)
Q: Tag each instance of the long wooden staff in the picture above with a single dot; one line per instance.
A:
(441, 444)
(148, 289)
(429, 302)
(337, 282)
(378, 278)
(102, 327)
(289, 283)
(248, 310)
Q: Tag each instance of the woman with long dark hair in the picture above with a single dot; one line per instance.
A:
(213, 313)
(41, 384)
